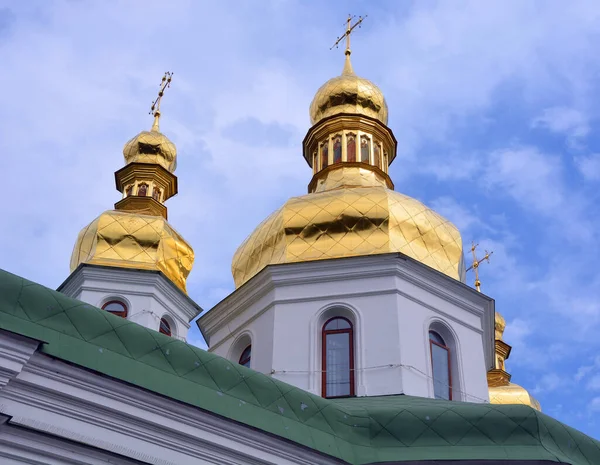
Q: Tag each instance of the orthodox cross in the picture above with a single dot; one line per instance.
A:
(476, 263)
(349, 28)
(164, 84)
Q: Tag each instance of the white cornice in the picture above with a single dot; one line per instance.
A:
(77, 395)
(153, 279)
(15, 352)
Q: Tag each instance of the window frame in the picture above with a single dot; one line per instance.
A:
(122, 314)
(248, 359)
(324, 334)
(448, 352)
(160, 327)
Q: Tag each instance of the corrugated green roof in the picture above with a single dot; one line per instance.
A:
(358, 431)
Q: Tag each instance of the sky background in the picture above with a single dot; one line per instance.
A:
(495, 106)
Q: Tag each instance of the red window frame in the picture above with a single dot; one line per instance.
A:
(443, 346)
(122, 314)
(324, 334)
(161, 327)
(246, 355)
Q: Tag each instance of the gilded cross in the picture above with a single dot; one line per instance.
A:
(349, 28)
(476, 263)
(164, 84)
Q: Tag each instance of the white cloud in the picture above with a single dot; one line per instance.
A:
(573, 123)
(589, 166)
(594, 404)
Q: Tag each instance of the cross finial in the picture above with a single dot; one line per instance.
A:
(349, 28)
(155, 109)
(476, 263)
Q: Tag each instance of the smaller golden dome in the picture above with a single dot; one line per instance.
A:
(499, 326)
(512, 394)
(137, 241)
(151, 147)
(348, 93)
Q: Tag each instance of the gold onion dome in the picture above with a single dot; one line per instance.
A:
(136, 234)
(152, 147)
(348, 93)
(351, 209)
(501, 390)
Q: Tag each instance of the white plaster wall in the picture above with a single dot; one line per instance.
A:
(147, 298)
(391, 317)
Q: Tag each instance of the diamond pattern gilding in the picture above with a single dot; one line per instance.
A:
(349, 94)
(151, 147)
(131, 240)
(350, 222)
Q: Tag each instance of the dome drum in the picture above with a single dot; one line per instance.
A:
(134, 174)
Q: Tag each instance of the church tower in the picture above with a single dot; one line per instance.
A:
(130, 261)
(355, 289)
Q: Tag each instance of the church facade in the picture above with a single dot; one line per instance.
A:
(351, 336)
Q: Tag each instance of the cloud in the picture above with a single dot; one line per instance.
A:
(568, 121)
(589, 166)
(594, 404)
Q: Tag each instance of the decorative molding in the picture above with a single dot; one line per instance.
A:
(15, 352)
(59, 399)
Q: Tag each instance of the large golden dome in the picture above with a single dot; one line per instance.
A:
(345, 221)
(348, 93)
(132, 240)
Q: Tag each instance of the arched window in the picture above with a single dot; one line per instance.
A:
(337, 149)
(164, 327)
(440, 367)
(156, 194)
(365, 149)
(116, 307)
(351, 148)
(129, 191)
(377, 155)
(142, 190)
(246, 356)
(325, 154)
(338, 358)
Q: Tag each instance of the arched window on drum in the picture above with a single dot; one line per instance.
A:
(337, 358)
(440, 366)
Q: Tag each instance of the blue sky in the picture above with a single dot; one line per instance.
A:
(494, 105)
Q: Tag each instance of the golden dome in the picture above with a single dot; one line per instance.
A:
(499, 325)
(151, 147)
(137, 241)
(346, 221)
(513, 394)
(348, 93)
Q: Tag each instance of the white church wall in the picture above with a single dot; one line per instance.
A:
(391, 309)
(148, 295)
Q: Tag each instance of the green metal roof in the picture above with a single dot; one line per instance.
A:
(358, 431)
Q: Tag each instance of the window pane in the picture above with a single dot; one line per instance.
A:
(435, 337)
(164, 327)
(441, 372)
(114, 307)
(246, 356)
(337, 323)
(337, 362)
